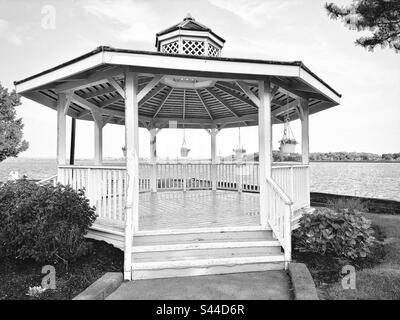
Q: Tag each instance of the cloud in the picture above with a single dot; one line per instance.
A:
(255, 12)
(8, 34)
(136, 19)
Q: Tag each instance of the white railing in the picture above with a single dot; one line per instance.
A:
(183, 176)
(50, 180)
(105, 185)
(294, 180)
(279, 213)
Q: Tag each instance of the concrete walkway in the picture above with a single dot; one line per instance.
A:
(268, 285)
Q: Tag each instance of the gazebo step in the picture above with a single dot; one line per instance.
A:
(193, 251)
(204, 236)
(197, 267)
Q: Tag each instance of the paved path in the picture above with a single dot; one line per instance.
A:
(268, 285)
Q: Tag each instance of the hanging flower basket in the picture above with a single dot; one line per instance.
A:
(239, 152)
(184, 152)
(287, 146)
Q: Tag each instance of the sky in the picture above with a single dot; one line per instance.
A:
(368, 118)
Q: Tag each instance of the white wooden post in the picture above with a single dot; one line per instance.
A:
(153, 159)
(61, 129)
(213, 134)
(61, 135)
(98, 139)
(305, 143)
(132, 167)
(305, 149)
(265, 145)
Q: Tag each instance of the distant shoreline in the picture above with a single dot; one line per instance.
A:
(358, 161)
(318, 161)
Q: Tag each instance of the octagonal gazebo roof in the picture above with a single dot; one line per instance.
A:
(196, 90)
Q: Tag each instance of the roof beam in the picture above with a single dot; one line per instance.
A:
(237, 96)
(184, 104)
(97, 93)
(95, 79)
(102, 105)
(150, 86)
(117, 86)
(286, 108)
(228, 107)
(204, 103)
(151, 94)
(163, 102)
(94, 108)
(247, 91)
(68, 101)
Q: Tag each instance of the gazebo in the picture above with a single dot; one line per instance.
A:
(186, 218)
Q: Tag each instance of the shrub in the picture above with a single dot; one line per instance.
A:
(43, 223)
(343, 234)
(349, 204)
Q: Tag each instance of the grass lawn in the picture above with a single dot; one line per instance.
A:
(16, 276)
(377, 277)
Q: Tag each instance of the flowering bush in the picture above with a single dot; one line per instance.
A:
(43, 223)
(346, 233)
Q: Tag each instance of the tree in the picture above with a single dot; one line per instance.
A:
(11, 143)
(380, 17)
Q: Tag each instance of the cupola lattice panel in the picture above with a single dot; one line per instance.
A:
(189, 37)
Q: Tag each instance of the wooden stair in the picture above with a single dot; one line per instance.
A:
(203, 252)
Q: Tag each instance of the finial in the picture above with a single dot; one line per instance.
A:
(188, 17)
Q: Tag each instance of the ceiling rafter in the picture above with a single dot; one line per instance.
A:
(149, 86)
(204, 103)
(236, 95)
(184, 104)
(94, 108)
(222, 102)
(97, 93)
(151, 94)
(95, 79)
(163, 102)
(247, 91)
(117, 86)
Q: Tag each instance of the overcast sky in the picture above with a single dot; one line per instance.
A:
(368, 118)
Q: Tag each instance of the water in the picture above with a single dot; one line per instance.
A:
(374, 180)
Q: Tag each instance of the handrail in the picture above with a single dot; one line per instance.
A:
(279, 215)
(280, 191)
(92, 167)
(43, 181)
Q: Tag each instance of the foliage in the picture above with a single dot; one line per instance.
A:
(350, 204)
(43, 223)
(11, 143)
(342, 234)
(380, 17)
(288, 141)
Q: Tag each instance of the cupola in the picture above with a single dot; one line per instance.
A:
(191, 38)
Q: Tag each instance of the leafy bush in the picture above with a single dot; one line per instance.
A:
(349, 204)
(43, 223)
(344, 234)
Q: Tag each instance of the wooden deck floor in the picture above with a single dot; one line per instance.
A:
(165, 210)
(197, 209)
